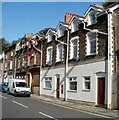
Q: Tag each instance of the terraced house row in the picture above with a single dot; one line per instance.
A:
(77, 61)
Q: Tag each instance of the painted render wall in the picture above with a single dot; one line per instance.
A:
(78, 71)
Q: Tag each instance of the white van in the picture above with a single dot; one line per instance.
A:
(18, 87)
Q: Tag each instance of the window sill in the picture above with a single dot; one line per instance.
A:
(50, 41)
(91, 24)
(86, 90)
(74, 31)
(91, 54)
(47, 88)
(73, 91)
(59, 61)
(60, 36)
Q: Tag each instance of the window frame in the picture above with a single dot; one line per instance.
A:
(88, 45)
(85, 80)
(48, 79)
(49, 59)
(58, 52)
(11, 64)
(74, 26)
(74, 79)
(50, 37)
(90, 20)
(72, 48)
(60, 32)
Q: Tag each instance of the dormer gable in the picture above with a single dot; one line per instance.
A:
(75, 21)
(90, 14)
(61, 28)
(51, 34)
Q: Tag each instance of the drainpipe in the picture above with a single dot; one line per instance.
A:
(66, 66)
(15, 65)
(109, 61)
(66, 70)
(3, 67)
(41, 66)
(94, 30)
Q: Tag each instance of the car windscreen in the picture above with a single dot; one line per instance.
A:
(21, 84)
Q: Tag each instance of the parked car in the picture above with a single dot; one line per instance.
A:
(0, 86)
(18, 87)
(4, 86)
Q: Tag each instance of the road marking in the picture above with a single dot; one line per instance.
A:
(96, 114)
(19, 104)
(47, 115)
(3, 97)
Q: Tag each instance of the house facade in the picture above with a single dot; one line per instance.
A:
(78, 78)
(76, 61)
(89, 73)
(21, 58)
(9, 62)
(1, 67)
(33, 65)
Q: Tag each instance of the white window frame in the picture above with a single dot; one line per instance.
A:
(72, 47)
(58, 52)
(60, 32)
(90, 22)
(74, 79)
(6, 64)
(48, 79)
(86, 80)
(11, 63)
(88, 46)
(50, 37)
(49, 62)
(11, 53)
(74, 26)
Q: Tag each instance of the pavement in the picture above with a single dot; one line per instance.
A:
(78, 106)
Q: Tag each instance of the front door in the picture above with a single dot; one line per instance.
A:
(28, 80)
(101, 91)
(57, 88)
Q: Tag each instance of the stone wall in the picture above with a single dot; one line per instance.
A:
(115, 82)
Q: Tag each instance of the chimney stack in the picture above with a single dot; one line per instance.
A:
(68, 17)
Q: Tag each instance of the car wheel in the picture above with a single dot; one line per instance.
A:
(15, 94)
(29, 95)
(8, 92)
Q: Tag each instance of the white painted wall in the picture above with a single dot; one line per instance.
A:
(51, 73)
(78, 71)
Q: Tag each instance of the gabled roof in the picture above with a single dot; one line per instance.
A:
(94, 7)
(97, 6)
(112, 5)
(53, 30)
(61, 23)
(39, 36)
(77, 16)
(107, 8)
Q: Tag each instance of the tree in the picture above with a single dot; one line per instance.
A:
(107, 3)
(3, 44)
(44, 31)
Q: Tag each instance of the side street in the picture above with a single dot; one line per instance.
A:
(75, 65)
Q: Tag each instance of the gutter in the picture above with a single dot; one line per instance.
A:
(94, 30)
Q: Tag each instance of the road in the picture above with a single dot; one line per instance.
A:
(26, 107)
